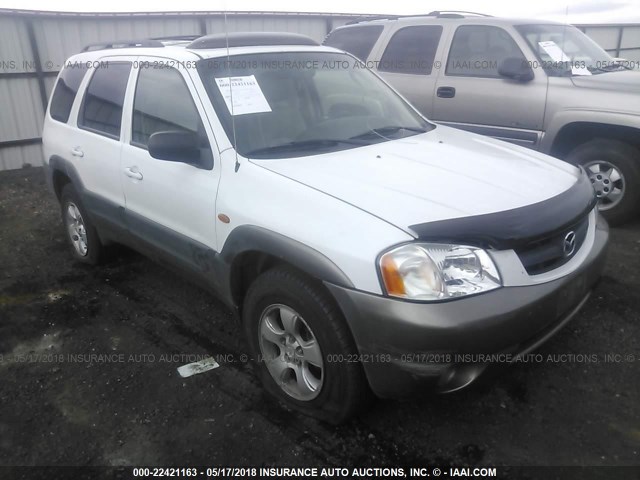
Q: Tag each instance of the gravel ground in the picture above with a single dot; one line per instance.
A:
(127, 405)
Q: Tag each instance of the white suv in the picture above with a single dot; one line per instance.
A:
(363, 247)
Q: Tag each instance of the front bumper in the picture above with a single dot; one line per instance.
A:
(405, 346)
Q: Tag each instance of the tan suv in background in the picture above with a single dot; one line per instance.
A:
(539, 84)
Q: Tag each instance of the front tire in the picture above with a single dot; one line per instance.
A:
(614, 169)
(80, 232)
(303, 352)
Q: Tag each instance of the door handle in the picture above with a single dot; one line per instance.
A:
(133, 173)
(76, 152)
(446, 92)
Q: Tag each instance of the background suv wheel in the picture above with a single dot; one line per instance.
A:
(614, 169)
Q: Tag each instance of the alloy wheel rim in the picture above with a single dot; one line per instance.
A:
(608, 182)
(76, 229)
(291, 352)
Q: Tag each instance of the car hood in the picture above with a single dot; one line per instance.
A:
(442, 174)
(624, 80)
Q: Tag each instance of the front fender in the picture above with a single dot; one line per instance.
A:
(247, 239)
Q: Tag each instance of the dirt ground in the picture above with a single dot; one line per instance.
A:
(88, 360)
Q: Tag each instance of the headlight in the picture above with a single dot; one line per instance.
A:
(432, 272)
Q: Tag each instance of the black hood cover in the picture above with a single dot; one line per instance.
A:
(518, 227)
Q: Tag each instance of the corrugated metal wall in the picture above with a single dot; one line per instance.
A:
(619, 40)
(34, 46)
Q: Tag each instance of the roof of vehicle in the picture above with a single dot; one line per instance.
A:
(196, 47)
(180, 53)
(250, 39)
(448, 17)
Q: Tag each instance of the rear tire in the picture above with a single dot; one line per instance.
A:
(614, 169)
(80, 232)
(303, 352)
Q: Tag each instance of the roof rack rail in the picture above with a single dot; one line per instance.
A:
(171, 40)
(435, 13)
(250, 39)
(370, 18)
(176, 37)
(144, 43)
(458, 13)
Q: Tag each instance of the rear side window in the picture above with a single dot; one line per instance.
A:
(358, 41)
(477, 50)
(412, 50)
(163, 103)
(101, 110)
(65, 91)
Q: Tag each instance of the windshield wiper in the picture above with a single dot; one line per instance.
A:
(304, 144)
(609, 68)
(390, 130)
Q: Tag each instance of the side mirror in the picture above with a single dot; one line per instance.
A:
(175, 146)
(516, 68)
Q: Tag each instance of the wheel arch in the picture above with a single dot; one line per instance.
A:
(574, 134)
(250, 251)
(59, 173)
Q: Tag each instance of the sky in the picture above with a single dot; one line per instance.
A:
(570, 11)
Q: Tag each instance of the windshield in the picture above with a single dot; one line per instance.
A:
(564, 50)
(295, 104)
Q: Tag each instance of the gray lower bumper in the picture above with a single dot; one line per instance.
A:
(408, 345)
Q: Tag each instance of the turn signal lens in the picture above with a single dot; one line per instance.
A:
(391, 277)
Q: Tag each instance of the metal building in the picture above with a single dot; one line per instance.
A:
(621, 41)
(34, 46)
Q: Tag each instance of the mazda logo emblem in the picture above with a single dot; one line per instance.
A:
(569, 244)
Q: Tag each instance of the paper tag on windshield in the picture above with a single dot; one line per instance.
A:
(557, 55)
(245, 93)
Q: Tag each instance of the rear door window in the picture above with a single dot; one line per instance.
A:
(412, 50)
(101, 110)
(66, 90)
(358, 41)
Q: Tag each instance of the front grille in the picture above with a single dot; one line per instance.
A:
(549, 253)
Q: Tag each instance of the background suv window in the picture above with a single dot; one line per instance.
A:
(358, 41)
(412, 50)
(65, 91)
(101, 110)
(162, 103)
(578, 49)
(477, 50)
